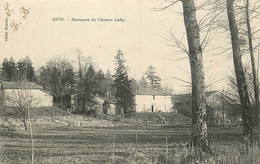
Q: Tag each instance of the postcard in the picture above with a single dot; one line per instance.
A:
(130, 81)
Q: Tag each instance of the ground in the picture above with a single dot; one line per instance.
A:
(87, 140)
(103, 145)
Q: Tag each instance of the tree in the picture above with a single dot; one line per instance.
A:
(90, 89)
(8, 69)
(23, 101)
(110, 86)
(102, 85)
(233, 93)
(236, 22)
(199, 135)
(122, 84)
(12, 71)
(134, 85)
(155, 80)
(142, 84)
(199, 125)
(80, 88)
(86, 86)
(24, 66)
(240, 77)
(251, 50)
(57, 76)
(232, 90)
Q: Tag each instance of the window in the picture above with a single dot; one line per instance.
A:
(164, 108)
(143, 107)
(153, 97)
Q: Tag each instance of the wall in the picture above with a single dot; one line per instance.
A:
(112, 109)
(39, 97)
(161, 103)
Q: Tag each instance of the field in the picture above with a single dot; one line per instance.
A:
(140, 144)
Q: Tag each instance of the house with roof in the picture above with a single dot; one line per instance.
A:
(221, 110)
(11, 91)
(152, 101)
(101, 104)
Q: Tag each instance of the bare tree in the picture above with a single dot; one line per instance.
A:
(57, 76)
(232, 90)
(199, 129)
(251, 50)
(88, 84)
(199, 136)
(23, 101)
(240, 76)
(243, 35)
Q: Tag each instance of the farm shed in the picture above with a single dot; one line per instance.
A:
(18, 90)
(104, 106)
(101, 104)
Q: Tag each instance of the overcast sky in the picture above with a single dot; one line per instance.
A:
(140, 36)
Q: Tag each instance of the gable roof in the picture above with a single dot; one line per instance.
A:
(151, 92)
(104, 99)
(181, 98)
(20, 85)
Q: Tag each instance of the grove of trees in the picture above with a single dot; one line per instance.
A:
(16, 71)
(57, 77)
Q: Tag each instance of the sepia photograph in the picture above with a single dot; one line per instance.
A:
(129, 82)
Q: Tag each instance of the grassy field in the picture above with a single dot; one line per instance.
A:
(127, 143)
(153, 118)
(140, 144)
(39, 111)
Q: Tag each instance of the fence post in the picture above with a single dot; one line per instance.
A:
(113, 154)
(136, 137)
(167, 150)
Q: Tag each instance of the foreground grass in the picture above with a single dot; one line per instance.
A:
(119, 145)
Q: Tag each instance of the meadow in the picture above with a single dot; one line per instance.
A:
(119, 144)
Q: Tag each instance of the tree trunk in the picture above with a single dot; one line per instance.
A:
(25, 122)
(61, 100)
(199, 125)
(256, 92)
(240, 77)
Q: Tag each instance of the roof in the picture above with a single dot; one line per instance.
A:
(104, 99)
(188, 97)
(20, 85)
(151, 92)
(208, 93)
(46, 92)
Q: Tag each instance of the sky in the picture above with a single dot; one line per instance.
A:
(142, 37)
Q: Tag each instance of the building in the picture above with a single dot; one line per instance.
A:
(101, 104)
(153, 101)
(221, 110)
(104, 106)
(14, 92)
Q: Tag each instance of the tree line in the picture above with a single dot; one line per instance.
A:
(17, 71)
(84, 81)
